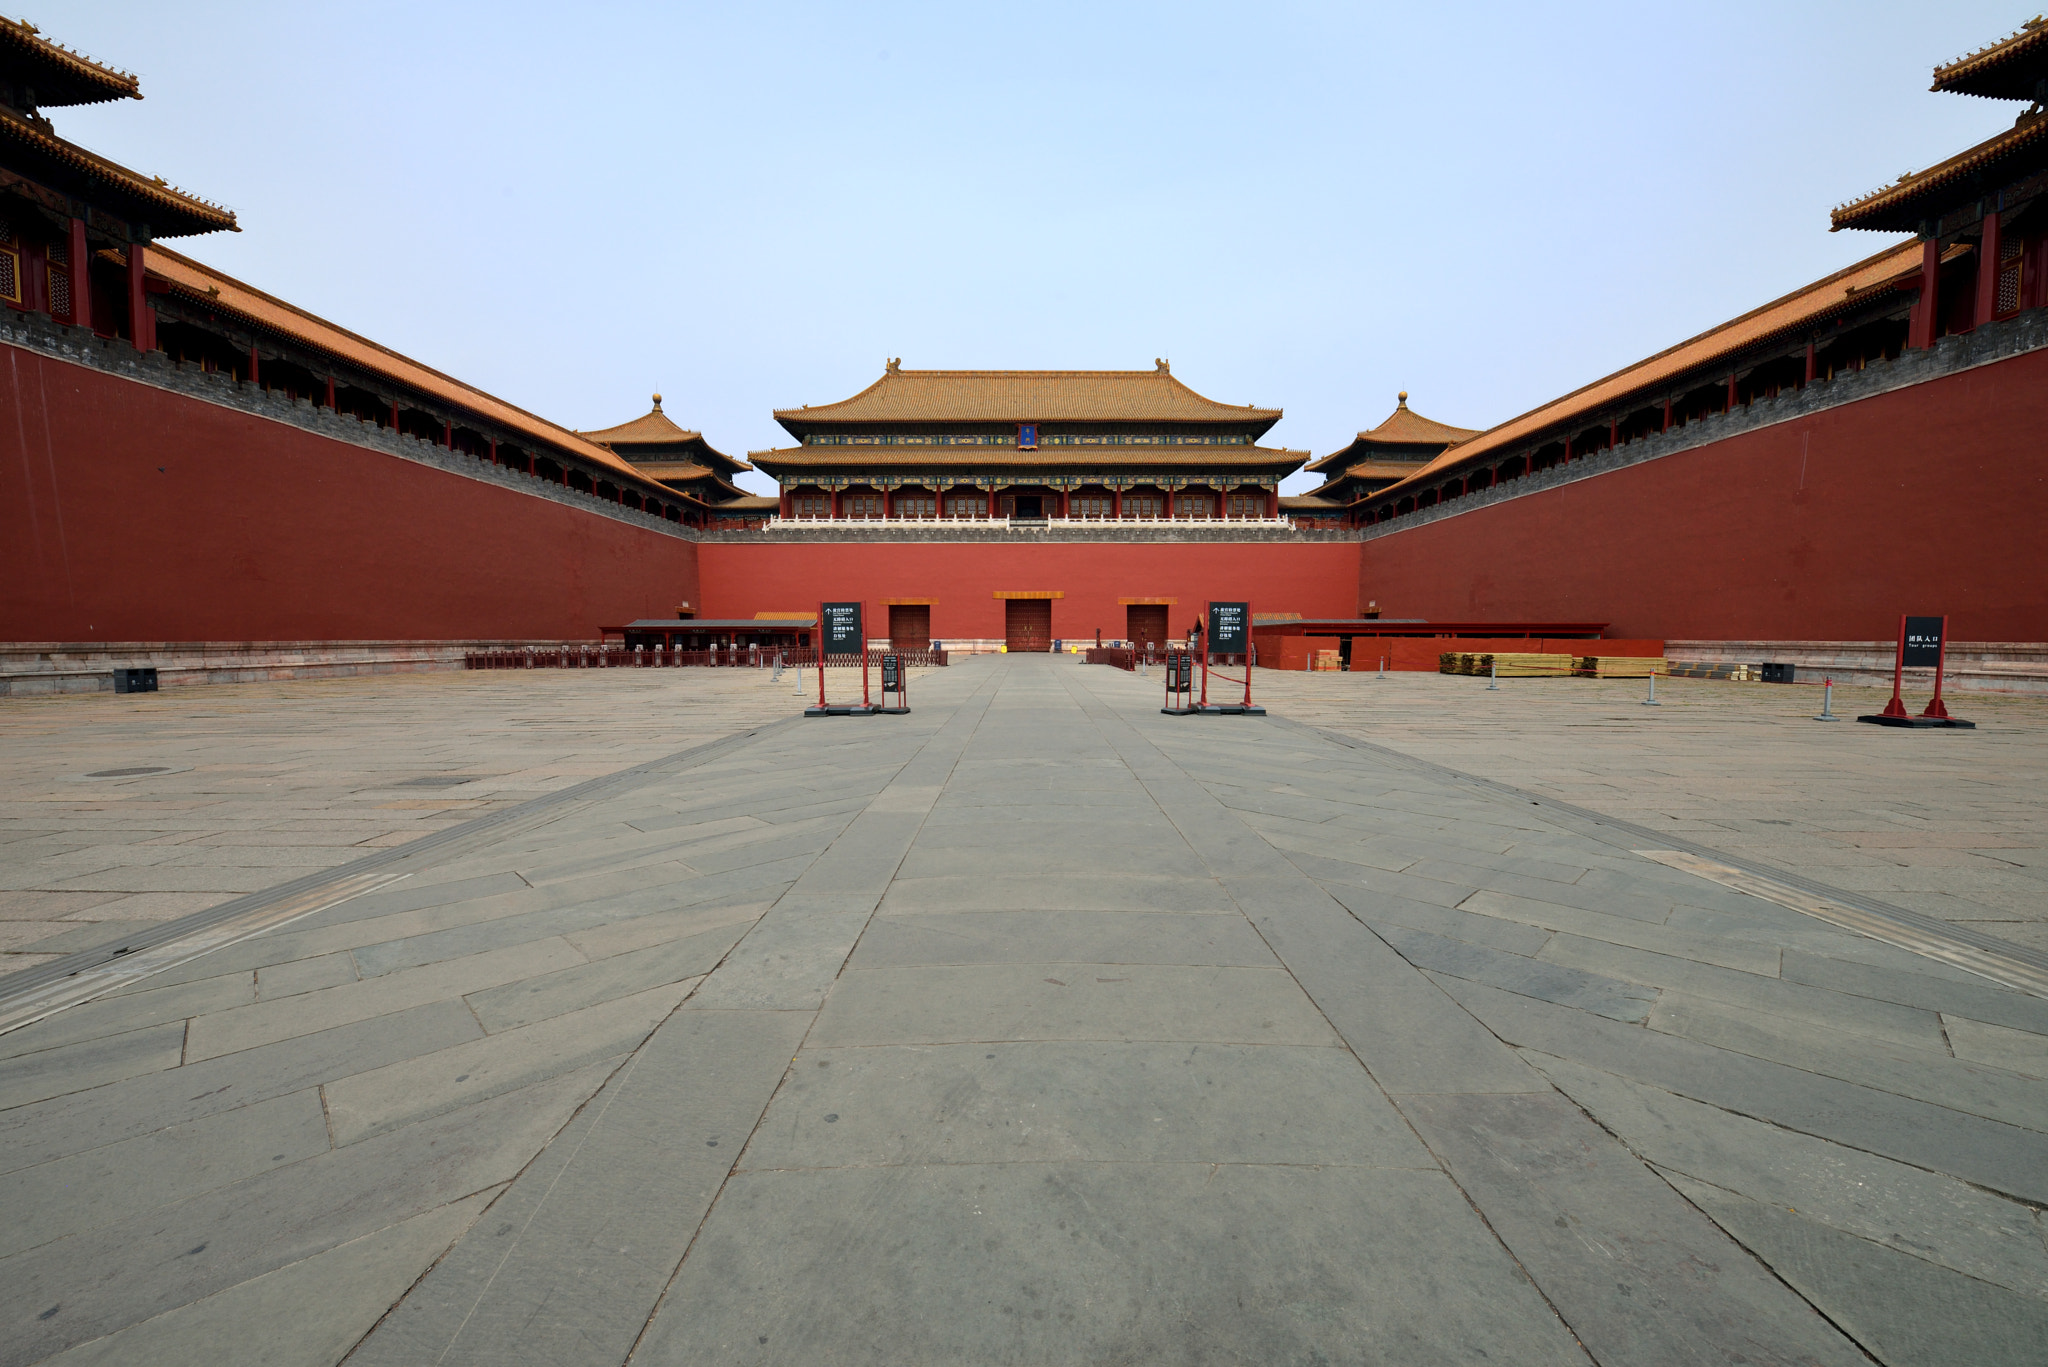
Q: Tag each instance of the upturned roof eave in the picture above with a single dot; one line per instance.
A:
(1892, 209)
(80, 80)
(1979, 68)
(168, 212)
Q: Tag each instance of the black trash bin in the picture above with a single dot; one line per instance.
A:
(1779, 673)
(135, 681)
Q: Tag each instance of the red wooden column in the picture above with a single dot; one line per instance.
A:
(1063, 504)
(494, 450)
(888, 504)
(1613, 433)
(1667, 416)
(835, 505)
(394, 423)
(992, 504)
(1731, 392)
(783, 509)
(255, 366)
(1273, 501)
(1116, 504)
(1811, 363)
(1988, 251)
(330, 395)
(81, 278)
(1920, 333)
(141, 318)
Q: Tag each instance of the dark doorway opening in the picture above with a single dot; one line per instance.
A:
(1145, 624)
(1027, 624)
(1029, 506)
(910, 626)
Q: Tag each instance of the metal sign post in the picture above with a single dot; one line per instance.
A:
(841, 632)
(893, 682)
(1923, 643)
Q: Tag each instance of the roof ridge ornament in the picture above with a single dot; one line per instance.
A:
(894, 364)
(1163, 366)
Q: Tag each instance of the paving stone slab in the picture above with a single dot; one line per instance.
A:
(1126, 1263)
(1610, 997)
(1069, 1002)
(134, 1011)
(121, 1274)
(108, 1114)
(1007, 1102)
(568, 1265)
(1639, 1276)
(2004, 1158)
(1115, 937)
(89, 1063)
(306, 1314)
(84, 1190)
(1906, 1311)
(1921, 1213)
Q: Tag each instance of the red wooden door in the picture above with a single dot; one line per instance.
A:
(1027, 623)
(910, 626)
(1145, 623)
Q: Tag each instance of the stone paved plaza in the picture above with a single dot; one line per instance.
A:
(1032, 1027)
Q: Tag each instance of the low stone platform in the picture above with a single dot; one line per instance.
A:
(1033, 1026)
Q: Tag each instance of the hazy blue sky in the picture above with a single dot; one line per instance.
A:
(751, 206)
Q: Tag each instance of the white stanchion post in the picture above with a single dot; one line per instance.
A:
(1383, 667)
(1651, 701)
(1827, 701)
(1493, 677)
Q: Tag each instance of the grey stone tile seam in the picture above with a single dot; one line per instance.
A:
(983, 694)
(1094, 708)
(1599, 826)
(443, 843)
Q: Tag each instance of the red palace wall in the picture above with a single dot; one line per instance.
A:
(1929, 499)
(128, 513)
(961, 578)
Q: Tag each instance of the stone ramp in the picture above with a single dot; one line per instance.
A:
(1034, 1027)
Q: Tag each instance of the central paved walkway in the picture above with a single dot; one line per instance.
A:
(1033, 1027)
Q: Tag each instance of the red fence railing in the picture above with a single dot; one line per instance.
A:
(613, 656)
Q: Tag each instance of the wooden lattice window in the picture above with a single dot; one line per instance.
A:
(1088, 505)
(812, 505)
(2010, 258)
(1247, 505)
(1144, 506)
(60, 278)
(966, 505)
(861, 505)
(10, 264)
(1199, 507)
(917, 505)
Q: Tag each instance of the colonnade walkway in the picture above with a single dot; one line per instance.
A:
(1032, 1027)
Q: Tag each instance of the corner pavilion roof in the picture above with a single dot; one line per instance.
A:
(2010, 69)
(59, 75)
(1801, 308)
(1403, 427)
(1022, 396)
(654, 432)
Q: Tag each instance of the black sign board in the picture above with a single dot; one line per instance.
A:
(1183, 670)
(1923, 642)
(843, 634)
(1229, 628)
(892, 673)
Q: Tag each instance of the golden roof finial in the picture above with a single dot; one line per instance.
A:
(1403, 397)
(657, 403)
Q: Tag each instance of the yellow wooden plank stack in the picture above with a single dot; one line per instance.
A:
(1326, 659)
(1621, 666)
(1531, 666)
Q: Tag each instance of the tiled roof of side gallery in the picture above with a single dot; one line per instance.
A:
(1023, 396)
(654, 430)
